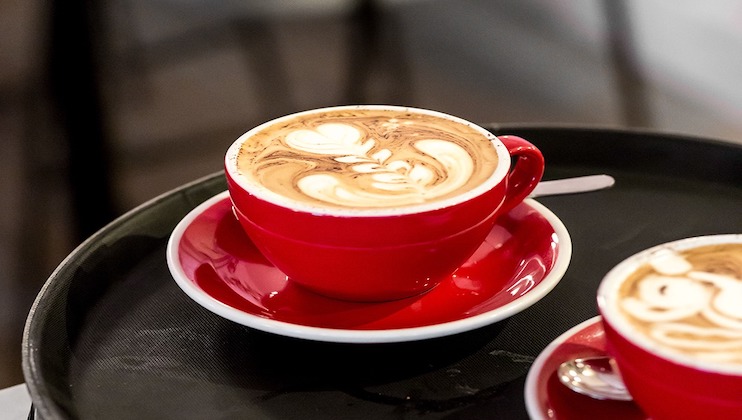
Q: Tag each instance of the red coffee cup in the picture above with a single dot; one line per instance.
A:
(380, 253)
(658, 327)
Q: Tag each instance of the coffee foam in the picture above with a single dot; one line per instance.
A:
(368, 158)
(689, 302)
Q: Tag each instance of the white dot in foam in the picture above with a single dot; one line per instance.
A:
(670, 263)
(728, 304)
(672, 292)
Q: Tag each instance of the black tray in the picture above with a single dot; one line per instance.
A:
(112, 336)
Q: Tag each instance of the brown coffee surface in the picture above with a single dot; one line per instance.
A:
(367, 158)
(690, 302)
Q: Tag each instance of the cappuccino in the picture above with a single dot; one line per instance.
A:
(689, 301)
(367, 158)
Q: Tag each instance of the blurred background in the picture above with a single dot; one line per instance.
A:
(107, 104)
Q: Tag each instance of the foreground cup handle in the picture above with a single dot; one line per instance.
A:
(526, 172)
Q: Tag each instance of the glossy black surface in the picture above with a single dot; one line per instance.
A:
(112, 336)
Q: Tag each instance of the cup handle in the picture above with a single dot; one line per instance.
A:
(526, 172)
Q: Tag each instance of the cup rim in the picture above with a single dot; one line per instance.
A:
(263, 193)
(613, 280)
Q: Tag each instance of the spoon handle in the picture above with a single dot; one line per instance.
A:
(596, 377)
(573, 185)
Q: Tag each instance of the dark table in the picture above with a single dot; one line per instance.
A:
(112, 336)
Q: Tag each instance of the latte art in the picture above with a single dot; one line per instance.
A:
(368, 158)
(690, 302)
(395, 182)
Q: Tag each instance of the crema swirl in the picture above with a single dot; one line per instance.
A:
(367, 158)
(690, 302)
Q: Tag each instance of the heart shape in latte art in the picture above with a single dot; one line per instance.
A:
(330, 139)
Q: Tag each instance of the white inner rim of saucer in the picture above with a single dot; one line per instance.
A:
(549, 281)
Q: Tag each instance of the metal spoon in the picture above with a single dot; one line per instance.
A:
(573, 185)
(596, 377)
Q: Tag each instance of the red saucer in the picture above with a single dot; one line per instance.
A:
(216, 264)
(547, 398)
